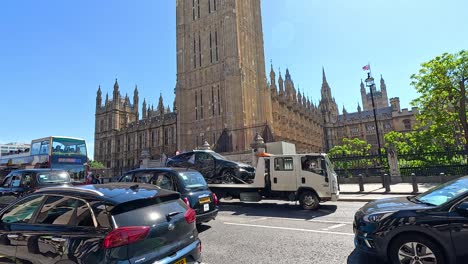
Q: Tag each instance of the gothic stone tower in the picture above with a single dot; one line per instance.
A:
(114, 115)
(221, 90)
(329, 110)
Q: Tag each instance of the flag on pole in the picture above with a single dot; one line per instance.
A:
(366, 68)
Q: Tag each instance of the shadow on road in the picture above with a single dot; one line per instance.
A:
(357, 257)
(202, 228)
(283, 210)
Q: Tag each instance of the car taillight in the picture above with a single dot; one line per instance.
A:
(125, 235)
(190, 216)
(187, 202)
(215, 198)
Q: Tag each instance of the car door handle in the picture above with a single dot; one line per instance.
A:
(58, 239)
(12, 236)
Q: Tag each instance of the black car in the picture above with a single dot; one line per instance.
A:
(22, 182)
(215, 167)
(428, 228)
(104, 223)
(189, 183)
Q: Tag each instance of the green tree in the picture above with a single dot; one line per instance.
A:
(443, 113)
(355, 146)
(96, 165)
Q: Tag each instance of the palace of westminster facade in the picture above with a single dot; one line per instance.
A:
(223, 96)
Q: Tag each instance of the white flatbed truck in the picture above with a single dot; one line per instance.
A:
(307, 178)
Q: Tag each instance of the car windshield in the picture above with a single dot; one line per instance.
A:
(52, 177)
(217, 156)
(445, 192)
(192, 179)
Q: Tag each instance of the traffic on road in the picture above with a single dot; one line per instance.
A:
(288, 212)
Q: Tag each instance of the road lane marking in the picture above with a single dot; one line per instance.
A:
(312, 219)
(258, 219)
(334, 226)
(292, 229)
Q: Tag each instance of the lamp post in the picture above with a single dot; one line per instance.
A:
(371, 84)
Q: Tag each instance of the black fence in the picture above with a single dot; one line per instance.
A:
(453, 163)
(368, 165)
(450, 163)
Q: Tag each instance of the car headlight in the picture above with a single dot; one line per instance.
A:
(377, 217)
(242, 169)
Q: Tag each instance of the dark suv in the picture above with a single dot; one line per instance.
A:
(22, 182)
(104, 223)
(189, 183)
(428, 228)
(215, 168)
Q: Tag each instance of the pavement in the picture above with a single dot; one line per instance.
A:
(374, 191)
(281, 232)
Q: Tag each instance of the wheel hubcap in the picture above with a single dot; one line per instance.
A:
(309, 200)
(416, 253)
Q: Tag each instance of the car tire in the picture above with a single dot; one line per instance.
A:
(227, 177)
(309, 200)
(407, 245)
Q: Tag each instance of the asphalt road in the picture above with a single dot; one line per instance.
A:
(280, 232)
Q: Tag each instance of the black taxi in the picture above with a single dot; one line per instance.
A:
(189, 183)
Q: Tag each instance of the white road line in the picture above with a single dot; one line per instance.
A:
(334, 226)
(292, 229)
(258, 219)
(313, 220)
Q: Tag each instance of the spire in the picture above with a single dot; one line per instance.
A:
(299, 96)
(160, 104)
(280, 83)
(272, 75)
(143, 109)
(116, 93)
(344, 110)
(287, 76)
(116, 85)
(99, 98)
(168, 109)
(326, 91)
(358, 107)
(324, 78)
(107, 98)
(383, 86)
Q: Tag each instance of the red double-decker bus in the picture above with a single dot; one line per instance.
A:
(55, 152)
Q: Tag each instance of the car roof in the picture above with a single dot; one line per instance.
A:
(37, 170)
(115, 193)
(165, 169)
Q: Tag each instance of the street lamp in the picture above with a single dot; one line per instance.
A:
(371, 84)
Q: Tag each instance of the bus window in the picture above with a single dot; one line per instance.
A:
(36, 148)
(45, 147)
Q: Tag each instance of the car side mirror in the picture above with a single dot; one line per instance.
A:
(462, 209)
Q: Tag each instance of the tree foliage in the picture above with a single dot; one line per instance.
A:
(441, 83)
(355, 147)
(96, 165)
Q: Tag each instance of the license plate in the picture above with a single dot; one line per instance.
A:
(206, 207)
(181, 261)
(204, 200)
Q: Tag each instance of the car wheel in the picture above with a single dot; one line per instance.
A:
(227, 177)
(309, 201)
(408, 249)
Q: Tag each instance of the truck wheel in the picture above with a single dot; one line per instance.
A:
(227, 177)
(309, 201)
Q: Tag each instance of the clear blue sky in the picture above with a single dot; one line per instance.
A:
(55, 53)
